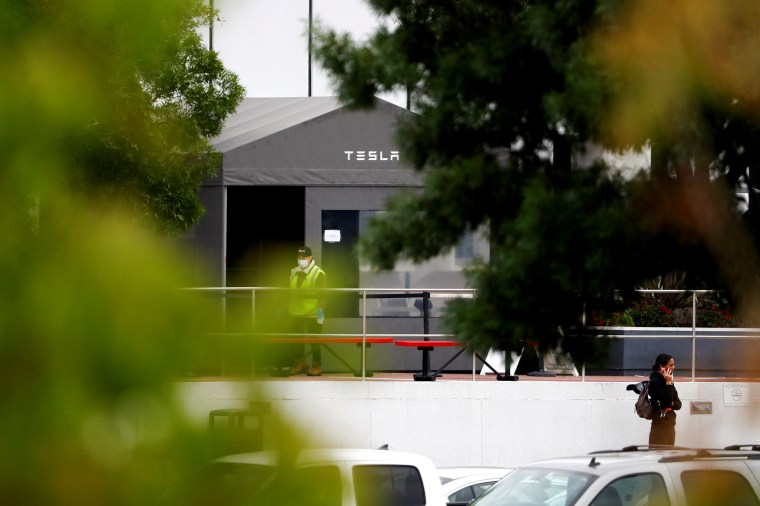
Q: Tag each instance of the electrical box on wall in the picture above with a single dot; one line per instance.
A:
(700, 408)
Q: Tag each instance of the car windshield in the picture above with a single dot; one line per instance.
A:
(534, 486)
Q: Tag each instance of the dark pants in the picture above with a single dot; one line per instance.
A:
(304, 325)
(662, 432)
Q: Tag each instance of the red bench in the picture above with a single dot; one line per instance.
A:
(330, 340)
(426, 346)
(326, 341)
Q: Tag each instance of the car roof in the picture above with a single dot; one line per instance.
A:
(600, 462)
(318, 455)
(454, 479)
(453, 473)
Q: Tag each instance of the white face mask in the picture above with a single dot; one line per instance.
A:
(303, 263)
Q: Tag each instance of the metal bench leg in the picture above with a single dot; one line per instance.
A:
(445, 364)
(425, 374)
(499, 376)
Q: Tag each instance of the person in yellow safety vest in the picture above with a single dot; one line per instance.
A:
(307, 313)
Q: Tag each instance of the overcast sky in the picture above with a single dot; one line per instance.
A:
(264, 42)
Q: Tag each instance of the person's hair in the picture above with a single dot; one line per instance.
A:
(661, 360)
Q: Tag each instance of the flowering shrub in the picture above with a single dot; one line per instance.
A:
(713, 316)
(647, 314)
(652, 315)
(639, 315)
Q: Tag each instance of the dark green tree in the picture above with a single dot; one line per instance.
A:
(147, 148)
(510, 95)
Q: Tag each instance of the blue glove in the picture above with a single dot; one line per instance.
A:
(320, 315)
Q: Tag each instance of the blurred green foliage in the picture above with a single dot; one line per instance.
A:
(115, 101)
(102, 132)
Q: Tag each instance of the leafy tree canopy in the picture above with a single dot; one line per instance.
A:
(511, 95)
(142, 137)
(98, 101)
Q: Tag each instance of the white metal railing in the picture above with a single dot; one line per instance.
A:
(363, 293)
(692, 332)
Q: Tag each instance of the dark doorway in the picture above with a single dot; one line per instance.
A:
(339, 260)
(265, 227)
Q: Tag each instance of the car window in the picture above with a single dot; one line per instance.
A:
(537, 486)
(479, 488)
(470, 492)
(717, 486)
(380, 485)
(464, 494)
(646, 489)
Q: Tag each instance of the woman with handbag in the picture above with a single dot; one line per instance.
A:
(665, 401)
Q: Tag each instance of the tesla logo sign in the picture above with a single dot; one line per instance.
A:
(371, 156)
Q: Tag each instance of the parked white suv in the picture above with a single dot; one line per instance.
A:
(327, 477)
(636, 475)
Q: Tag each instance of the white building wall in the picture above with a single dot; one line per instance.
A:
(473, 423)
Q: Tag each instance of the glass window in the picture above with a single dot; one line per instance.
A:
(467, 494)
(537, 486)
(647, 489)
(379, 485)
(717, 486)
(482, 487)
(441, 271)
(465, 248)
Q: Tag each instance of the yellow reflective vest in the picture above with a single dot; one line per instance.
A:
(305, 306)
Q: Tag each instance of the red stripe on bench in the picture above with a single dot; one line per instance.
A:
(432, 344)
(329, 340)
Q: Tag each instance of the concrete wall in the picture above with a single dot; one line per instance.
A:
(473, 423)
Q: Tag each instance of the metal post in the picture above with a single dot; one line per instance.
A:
(426, 314)
(426, 331)
(254, 345)
(211, 28)
(693, 335)
(310, 43)
(364, 335)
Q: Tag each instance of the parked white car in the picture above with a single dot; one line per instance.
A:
(640, 476)
(463, 484)
(328, 477)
